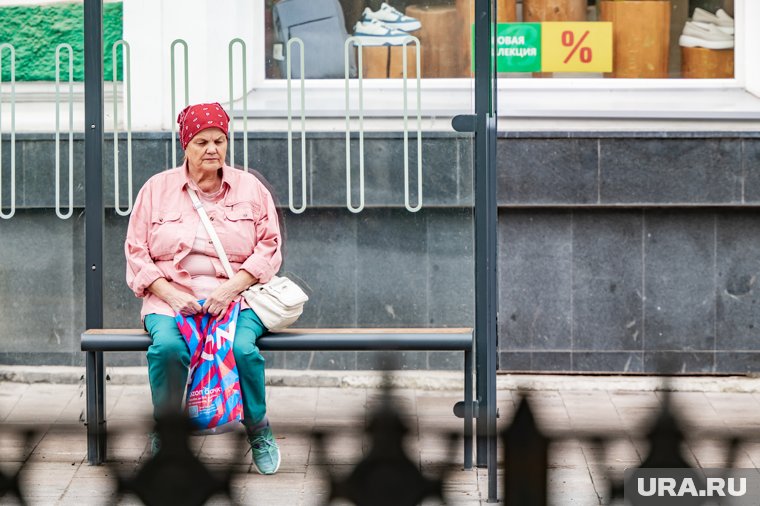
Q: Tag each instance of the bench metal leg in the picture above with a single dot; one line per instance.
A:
(468, 409)
(96, 408)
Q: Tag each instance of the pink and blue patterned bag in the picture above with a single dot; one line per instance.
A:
(213, 401)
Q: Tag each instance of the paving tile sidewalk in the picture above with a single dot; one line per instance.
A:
(56, 471)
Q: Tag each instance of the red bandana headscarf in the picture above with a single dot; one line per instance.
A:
(195, 118)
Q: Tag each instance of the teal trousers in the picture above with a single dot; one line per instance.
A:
(169, 361)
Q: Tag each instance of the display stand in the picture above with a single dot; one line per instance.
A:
(382, 62)
(641, 37)
(536, 11)
(439, 41)
(701, 63)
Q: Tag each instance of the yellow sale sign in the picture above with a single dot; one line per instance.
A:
(576, 47)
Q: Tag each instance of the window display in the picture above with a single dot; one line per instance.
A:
(650, 38)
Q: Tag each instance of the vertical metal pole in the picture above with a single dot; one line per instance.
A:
(94, 221)
(486, 301)
(468, 409)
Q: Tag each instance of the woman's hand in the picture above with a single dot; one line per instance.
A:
(219, 301)
(181, 302)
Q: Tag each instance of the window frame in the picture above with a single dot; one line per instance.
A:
(455, 95)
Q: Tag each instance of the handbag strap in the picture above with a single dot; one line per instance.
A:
(211, 232)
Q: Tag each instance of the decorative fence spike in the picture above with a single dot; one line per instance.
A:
(526, 459)
(175, 475)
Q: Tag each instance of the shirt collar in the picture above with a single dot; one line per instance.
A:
(182, 177)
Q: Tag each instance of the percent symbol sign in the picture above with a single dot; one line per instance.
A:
(568, 40)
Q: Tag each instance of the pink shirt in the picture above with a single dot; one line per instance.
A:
(164, 224)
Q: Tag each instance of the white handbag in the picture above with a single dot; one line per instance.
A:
(278, 303)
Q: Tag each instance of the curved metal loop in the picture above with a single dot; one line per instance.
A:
(358, 209)
(58, 212)
(245, 105)
(12, 211)
(187, 95)
(128, 86)
(416, 41)
(296, 210)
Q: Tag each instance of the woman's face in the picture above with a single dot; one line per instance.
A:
(206, 151)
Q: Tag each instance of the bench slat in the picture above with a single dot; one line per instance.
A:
(443, 330)
(306, 339)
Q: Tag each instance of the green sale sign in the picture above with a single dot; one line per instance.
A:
(518, 47)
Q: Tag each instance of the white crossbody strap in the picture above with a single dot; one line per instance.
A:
(211, 232)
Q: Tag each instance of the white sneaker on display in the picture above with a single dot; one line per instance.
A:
(696, 34)
(375, 33)
(721, 19)
(391, 17)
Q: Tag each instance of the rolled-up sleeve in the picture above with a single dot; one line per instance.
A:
(267, 254)
(141, 270)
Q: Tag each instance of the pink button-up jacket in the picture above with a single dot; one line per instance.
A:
(164, 223)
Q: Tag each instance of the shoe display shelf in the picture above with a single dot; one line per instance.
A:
(506, 12)
(440, 49)
(381, 62)
(537, 11)
(640, 37)
(702, 63)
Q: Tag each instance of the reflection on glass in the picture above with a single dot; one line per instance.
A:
(650, 38)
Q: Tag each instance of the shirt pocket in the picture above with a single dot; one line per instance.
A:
(165, 233)
(239, 232)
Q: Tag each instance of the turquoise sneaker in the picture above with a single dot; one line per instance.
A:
(266, 453)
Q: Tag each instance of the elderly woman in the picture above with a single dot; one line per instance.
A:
(172, 264)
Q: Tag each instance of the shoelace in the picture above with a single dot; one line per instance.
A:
(258, 442)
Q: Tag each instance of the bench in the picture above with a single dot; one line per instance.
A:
(96, 341)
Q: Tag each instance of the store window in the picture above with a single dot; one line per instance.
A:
(649, 38)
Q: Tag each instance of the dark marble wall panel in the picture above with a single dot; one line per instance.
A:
(607, 280)
(38, 165)
(446, 360)
(37, 283)
(751, 165)
(333, 360)
(7, 190)
(270, 158)
(535, 280)
(121, 307)
(525, 361)
(567, 275)
(465, 163)
(321, 249)
(452, 268)
(547, 171)
(441, 172)
(593, 361)
(380, 361)
(327, 170)
(737, 362)
(679, 279)
(298, 359)
(677, 362)
(737, 290)
(670, 171)
(515, 361)
(149, 157)
(392, 268)
(384, 172)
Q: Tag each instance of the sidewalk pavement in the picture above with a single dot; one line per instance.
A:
(55, 470)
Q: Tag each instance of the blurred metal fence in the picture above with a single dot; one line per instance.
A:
(385, 475)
